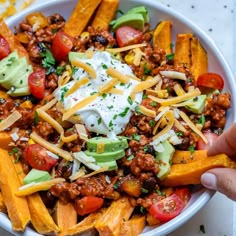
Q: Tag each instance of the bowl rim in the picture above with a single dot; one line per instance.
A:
(205, 194)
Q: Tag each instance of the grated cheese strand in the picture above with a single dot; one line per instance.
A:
(179, 90)
(126, 48)
(174, 100)
(81, 130)
(77, 85)
(68, 139)
(173, 74)
(146, 111)
(49, 105)
(51, 147)
(36, 187)
(171, 119)
(117, 75)
(103, 169)
(137, 56)
(85, 67)
(10, 120)
(192, 126)
(108, 86)
(179, 126)
(78, 106)
(116, 91)
(64, 78)
(144, 85)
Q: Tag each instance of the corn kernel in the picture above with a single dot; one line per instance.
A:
(162, 93)
(129, 59)
(31, 141)
(84, 35)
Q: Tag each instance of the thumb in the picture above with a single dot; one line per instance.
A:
(222, 180)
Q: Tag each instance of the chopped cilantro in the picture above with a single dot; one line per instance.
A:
(144, 190)
(122, 84)
(115, 186)
(202, 229)
(104, 95)
(147, 71)
(159, 192)
(142, 209)
(202, 120)
(54, 31)
(152, 123)
(48, 61)
(36, 118)
(93, 93)
(99, 121)
(136, 137)
(124, 113)
(120, 11)
(171, 45)
(144, 96)
(64, 90)
(130, 101)
(168, 89)
(191, 149)
(60, 69)
(130, 158)
(104, 66)
(145, 148)
(170, 57)
(137, 109)
(110, 107)
(110, 124)
(115, 116)
(153, 104)
(180, 134)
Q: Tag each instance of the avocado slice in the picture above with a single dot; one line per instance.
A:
(164, 158)
(140, 10)
(198, 104)
(106, 156)
(133, 20)
(15, 92)
(106, 144)
(16, 70)
(111, 164)
(7, 61)
(22, 81)
(76, 55)
(36, 176)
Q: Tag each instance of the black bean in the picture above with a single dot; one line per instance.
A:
(100, 39)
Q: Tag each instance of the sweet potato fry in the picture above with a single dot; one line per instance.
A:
(109, 223)
(6, 32)
(17, 207)
(134, 226)
(80, 16)
(183, 50)
(183, 157)
(105, 14)
(65, 215)
(199, 58)
(3, 207)
(5, 139)
(162, 36)
(40, 217)
(190, 173)
(86, 226)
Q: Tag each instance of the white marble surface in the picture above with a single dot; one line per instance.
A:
(216, 18)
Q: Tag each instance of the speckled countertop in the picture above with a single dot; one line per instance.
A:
(216, 18)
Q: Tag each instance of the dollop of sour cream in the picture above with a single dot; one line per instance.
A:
(109, 113)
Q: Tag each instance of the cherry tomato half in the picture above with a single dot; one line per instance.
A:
(211, 80)
(4, 48)
(167, 209)
(36, 83)
(211, 138)
(127, 35)
(38, 157)
(184, 194)
(61, 45)
(88, 205)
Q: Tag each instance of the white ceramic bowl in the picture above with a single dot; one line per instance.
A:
(217, 64)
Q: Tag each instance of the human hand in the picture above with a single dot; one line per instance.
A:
(223, 179)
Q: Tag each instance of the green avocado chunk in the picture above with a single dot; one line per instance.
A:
(106, 156)
(76, 55)
(164, 159)
(14, 73)
(134, 20)
(36, 176)
(111, 164)
(140, 10)
(198, 104)
(107, 144)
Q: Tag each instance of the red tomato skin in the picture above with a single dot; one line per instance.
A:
(167, 208)
(127, 35)
(184, 194)
(61, 45)
(4, 48)
(38, 158)
(211, 138)
(36, 81)
(88, 204)
(211, 80)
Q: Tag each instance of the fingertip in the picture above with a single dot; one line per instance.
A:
(209, 181)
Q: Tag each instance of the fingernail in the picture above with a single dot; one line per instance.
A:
(208, 180)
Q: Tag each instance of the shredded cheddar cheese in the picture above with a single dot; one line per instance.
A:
(146, 111)
(116, 74)
(85, 67)
(127, 48)
(108, 86)
(77, 85)
(10, 120)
